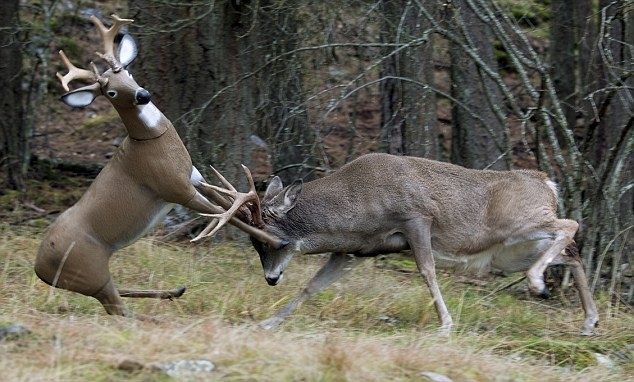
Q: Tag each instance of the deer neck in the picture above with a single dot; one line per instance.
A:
(144, 122)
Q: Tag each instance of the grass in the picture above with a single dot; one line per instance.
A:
(377, 324)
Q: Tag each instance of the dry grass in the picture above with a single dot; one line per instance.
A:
(376, 325)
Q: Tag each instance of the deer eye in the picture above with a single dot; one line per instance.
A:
(111, 93)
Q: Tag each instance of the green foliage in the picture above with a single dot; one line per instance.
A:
(100, 121)
(69, 44)
(528, 13)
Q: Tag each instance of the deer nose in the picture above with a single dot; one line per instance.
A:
(271, 280)
(142, 97)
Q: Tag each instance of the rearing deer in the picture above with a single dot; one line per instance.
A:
(381, 203)
(150, 172)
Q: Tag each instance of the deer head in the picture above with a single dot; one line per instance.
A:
(116, 83)
(274, 254)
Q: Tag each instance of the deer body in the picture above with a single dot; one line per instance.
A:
(150, 172)
(381, 203)
(406, 188)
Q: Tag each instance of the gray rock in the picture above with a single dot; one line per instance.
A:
(186, 367)
(435, 377)
(12, 332)
(604, 360)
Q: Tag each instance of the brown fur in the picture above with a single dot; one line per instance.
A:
(381, 203)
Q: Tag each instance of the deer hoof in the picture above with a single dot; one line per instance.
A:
(589, 326)
(271, 323)
(545, 293)
(179, 292)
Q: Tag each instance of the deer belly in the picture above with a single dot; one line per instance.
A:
(520, 256)
(515, 257)
(153, 218)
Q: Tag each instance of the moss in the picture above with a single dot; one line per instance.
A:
(99, 121)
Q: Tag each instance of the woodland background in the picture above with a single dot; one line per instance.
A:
(298, 88)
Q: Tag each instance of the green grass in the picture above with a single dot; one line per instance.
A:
(377, 324)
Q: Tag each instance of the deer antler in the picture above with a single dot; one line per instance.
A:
(239, 199)
(108, 35)
(75, 73)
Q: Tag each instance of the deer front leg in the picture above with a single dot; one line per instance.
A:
(419, 238)
(338, 265)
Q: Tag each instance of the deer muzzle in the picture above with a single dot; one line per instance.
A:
(272, 281)
(142, 97)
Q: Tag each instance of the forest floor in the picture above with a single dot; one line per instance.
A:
(377, 324)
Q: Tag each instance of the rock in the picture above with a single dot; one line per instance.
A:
(130, 365)
(604, 360)
(12, 332)
(435, 377)
(184, 368)
(391, 321)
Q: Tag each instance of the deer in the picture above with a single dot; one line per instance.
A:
(149, 174)
(381, 204)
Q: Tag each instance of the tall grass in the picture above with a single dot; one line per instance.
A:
(377, 324)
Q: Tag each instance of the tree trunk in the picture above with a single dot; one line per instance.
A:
(281, 119)
(13, 142)
(476, 142)
(190, 54)
(204, 65)
(563, 59)
(408, 109)
(586, 27)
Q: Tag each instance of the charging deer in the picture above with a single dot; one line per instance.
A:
(381, 203)
(150, 172)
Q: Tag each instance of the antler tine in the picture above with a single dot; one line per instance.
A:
(108, 34)
(75, 73)
(230, 190)
(210, 230)
(256, 211)
(239, 199)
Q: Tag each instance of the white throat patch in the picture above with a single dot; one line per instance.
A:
(149, 114)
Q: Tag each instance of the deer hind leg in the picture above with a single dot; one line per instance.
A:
(419, 238)
(109, 297)
(564, 231)
(79, 266)
(573, 260)
(154, 293)
(337, 266)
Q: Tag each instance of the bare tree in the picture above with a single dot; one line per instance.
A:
(408, 105)
(281, 118)
(563, 57)
(13, 139)
(476, 143)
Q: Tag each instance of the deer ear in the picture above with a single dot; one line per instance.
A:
(284, 200)
(291, 195)
(274, 188)
(82, 97)
(127, 50)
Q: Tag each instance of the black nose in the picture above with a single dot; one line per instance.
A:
(142, 97)
(272, 280)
